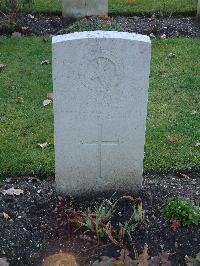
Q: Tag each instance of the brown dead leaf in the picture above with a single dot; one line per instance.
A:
(43, 145)
(163, 71)
(163, 37)
(153, 17)
(63, 259)
(30, 16)
(106, 18)
(24, 28)
(6, 216)
(46, 102)
(115, 262)
(20, 99)
(45, 39)
(131, 2)
(193, 261)
(45, 62)
(126, 259)
(171, 55)
(194, 112)
(172, 138)
(2, 66)
(143, 257)
(12, 191)
(50, 96)
(197, 144)
(16, 34)
(118, 262)
(4, 262)
(182, 175)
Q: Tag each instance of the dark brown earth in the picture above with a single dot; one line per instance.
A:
(38, 225)
(154, 26)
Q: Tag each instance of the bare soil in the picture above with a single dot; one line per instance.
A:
(154, 26)
(38, 225)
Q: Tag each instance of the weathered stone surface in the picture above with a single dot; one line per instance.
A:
(82, 8)
(100, 104)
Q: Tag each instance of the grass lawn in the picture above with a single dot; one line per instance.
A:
(174, 94)
(122, 6)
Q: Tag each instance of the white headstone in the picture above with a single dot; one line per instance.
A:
(82, 8)
(100, 88)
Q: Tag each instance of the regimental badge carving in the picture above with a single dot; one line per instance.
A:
(101, 72)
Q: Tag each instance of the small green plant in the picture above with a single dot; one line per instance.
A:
(99, 220)
(86, 25)
(138, 212)
(182, 210)
(128, 228)
(95, 221)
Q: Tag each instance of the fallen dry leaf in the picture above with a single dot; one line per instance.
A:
(45, 62)
(161, 259)
(197, 144)
(24, 28)
(163, 71)
(2, 66)
(126, 259)
(63, 259)
(143, 257)
(105, 18)
(193, 261)
(131, 2)
(30, 16)
(45, 39)
(153, 17)
(6, 216)
(118, 262)
(194, 112)
(50, 96)
(172, 138)
(4, 262)
(151, 35)
(46, 102)
(182, 175)
(171, 55)
(16, 34)
(163, 37)
(20, 99)
(43, 145)
(12, 191)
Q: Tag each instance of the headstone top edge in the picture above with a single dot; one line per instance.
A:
(101, 34)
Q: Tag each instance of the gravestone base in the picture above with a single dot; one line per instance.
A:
(100, 104)
(110, 184)
(83, 8)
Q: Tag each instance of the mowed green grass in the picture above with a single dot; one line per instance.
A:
(151, 6)
(122, 6)
(174, 96)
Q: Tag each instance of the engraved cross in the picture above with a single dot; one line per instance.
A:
(99, 144)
